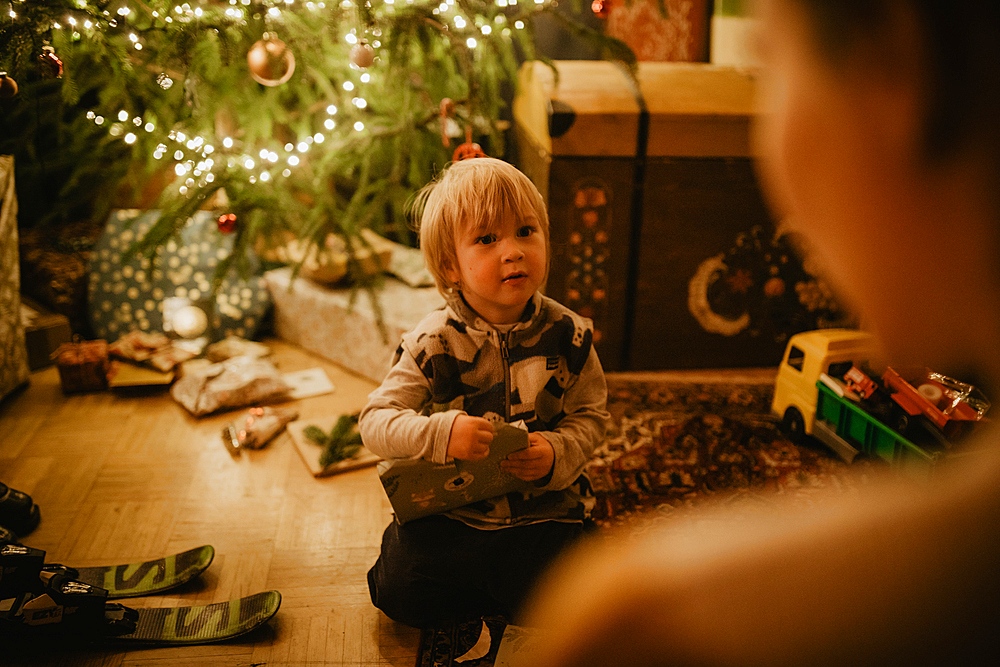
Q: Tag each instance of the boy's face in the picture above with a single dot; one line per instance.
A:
(499, 271)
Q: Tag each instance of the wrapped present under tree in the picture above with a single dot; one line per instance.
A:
(83, 365)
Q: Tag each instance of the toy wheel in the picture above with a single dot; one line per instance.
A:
(934, 436)
(794, 425)
(901, 421)
(956, 431)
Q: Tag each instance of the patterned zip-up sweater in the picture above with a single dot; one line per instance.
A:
(544, 371)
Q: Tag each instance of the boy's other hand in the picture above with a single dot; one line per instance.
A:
(470, 438)
(532, 463)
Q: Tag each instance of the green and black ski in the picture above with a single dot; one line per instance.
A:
(78, 611)
(40, 602)
(201, 624)
(149, 577)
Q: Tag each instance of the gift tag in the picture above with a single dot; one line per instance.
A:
(310, 382)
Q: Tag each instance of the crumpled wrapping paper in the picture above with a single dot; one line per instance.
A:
(257, 429)
(234, 383)
(154, 349)
(234, 346)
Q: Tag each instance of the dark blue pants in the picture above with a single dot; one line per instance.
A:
(437, 570)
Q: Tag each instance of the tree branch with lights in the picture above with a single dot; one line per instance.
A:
(290, 118)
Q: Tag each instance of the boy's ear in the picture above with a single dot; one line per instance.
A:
(453, 275)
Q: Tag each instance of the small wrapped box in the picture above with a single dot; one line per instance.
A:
(83, 365)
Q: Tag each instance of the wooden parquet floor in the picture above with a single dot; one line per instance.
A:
(123, 477)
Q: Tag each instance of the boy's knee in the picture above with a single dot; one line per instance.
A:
(395, 599)
(388, 597)
(423, 602)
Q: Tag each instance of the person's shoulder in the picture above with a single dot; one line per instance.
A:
(435, 319)
(554, 311)
(441, 323)
(571, 332)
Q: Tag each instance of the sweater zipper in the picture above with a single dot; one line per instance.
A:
(505, 356)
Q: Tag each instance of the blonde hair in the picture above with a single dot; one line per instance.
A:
(480, 191)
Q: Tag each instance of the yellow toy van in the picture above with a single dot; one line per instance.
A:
(807, 356)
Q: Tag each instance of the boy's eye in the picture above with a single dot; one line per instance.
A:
(486, 239)
(526, 230)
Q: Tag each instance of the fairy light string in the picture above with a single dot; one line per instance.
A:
(194, 157)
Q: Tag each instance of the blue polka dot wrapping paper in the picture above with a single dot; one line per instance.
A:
(127, 291)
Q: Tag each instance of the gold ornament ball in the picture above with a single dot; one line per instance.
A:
(190, 322)
(362, 54)
(8, 87)
(270, 60)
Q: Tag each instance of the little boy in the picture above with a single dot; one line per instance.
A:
(499, 351)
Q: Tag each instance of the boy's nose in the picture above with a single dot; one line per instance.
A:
(512, 250)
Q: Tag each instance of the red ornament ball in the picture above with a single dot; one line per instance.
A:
(8, 87)
(227, 223)
(362, 54)
(466, 151)
(774, 287)
(601, 8)
(270, 60)
(49, 63)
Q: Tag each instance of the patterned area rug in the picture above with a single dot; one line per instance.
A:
(675, 444)
(671, 446)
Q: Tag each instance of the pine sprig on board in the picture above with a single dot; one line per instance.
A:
(341, 443)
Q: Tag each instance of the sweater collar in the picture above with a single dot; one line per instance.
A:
(472, 319)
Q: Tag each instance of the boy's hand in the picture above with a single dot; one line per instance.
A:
(532, 463)
(470, 438)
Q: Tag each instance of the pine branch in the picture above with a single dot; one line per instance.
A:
(149, 92)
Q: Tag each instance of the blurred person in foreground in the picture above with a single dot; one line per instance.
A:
(879, 140)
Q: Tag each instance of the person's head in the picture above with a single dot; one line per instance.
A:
(484, 231)
(879, 141)
(955, 44)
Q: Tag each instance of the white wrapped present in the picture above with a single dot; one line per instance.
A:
(324, 320)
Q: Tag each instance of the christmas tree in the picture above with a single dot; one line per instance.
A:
(290, 118)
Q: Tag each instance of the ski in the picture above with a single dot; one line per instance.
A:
(146, 577)
(75, 611)
(40, 602)
(201, 624)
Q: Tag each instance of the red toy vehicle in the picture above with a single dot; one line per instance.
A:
(858, 382)
(952, 406)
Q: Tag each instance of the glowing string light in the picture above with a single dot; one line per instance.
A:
(185, 13)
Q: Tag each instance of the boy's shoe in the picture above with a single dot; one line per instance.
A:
(18, 513)
(485, 636)
(472, 643)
